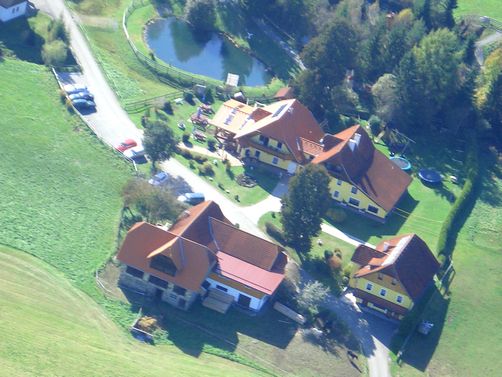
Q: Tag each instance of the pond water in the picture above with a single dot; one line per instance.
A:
(175, 42)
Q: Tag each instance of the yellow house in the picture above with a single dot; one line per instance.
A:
(392, 277)
(363, 178)
(275, 134)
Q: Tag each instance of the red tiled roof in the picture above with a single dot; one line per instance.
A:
(310, 147)
(248, 274)
(144, 240)
(365, 167)
(407, 258)
(288, 121)
(196, 240)
(284, 93)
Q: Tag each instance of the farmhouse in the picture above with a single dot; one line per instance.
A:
(10, 9)
(274, 134)
(363, 178)
(201, 255)
(392, 277)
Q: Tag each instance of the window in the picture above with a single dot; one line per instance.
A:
(275, 160)
(134, 272)
(383, 292)
(247, 153)
(206, 284)
(221, 288)
(163, 264)
(372, 209)
(264, 140)
(380, 276)
(279, 145)
(353, 190)
(339, 182)
(257, 154)
(336, 194)
(354, 202)
(369, 287)
(399, 299)
(158, 282)
(179, 291)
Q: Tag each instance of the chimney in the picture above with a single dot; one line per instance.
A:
(385, 246)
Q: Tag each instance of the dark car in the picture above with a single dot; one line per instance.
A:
(81, 95)
(83, 104)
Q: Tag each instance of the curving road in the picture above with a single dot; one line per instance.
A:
(112, 124)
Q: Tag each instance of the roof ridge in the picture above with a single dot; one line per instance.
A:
(205, 205)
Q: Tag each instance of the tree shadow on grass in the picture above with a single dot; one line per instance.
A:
(21, 41)
(364, 228)
(266, 177)
(420, 348)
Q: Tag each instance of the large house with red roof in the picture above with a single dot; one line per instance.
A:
(363, 178)
(275, 134)
(201, 255)
(394, 275)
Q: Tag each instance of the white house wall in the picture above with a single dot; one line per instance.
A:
(7, 14)
(255, 304)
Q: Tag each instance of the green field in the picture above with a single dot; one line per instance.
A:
(466, 340)
(61, 186)
(50, 328)
(490, 8)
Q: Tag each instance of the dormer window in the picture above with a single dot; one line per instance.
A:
(353, 190)
(163, 264)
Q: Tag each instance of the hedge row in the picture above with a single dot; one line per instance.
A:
(472, 169)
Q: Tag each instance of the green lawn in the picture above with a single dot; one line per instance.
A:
(466, 340)
(490, 8)
(266, 181)
(49, 328)
(61, 186)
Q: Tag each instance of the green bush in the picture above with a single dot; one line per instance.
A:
(206, 169)
(328, 254)
(168, 108)
(185, 137)
(200, 158)
(336, 215)
(448, 228)
(211, 143)
(375, 124)
(187, 154)
(191, 164)
(274, 232)
(188, 96)
(54, 53)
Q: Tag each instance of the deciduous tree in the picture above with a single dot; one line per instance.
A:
(159, 141)
(304, 206)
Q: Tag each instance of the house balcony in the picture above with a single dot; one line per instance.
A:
(269, 149)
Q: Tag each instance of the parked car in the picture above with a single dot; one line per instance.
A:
(126, 144)
(135, 153)
(159, 179)
(81, 95)
(192, 198)
(83, 104)
(74, 88)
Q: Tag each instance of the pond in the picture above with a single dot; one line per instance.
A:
(176, 43)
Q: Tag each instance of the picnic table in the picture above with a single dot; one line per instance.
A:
(206, 108)
(199, 136)
(199, 119)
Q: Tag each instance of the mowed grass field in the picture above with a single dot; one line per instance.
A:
(60, 185)
(50, 328)
(490, 8)
(467, 340)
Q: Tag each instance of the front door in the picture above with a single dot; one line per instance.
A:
(244, 301)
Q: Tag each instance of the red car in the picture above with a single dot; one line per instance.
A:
(126, 144)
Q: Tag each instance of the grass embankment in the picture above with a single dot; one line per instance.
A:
(490, 8)
(465, 340)
(61, 186)
(50, 328)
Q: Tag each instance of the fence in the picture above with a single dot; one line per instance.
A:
(167, 74)
(137, 106)
(486, 22)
